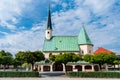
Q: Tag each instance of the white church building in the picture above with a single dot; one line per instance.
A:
(54, 45)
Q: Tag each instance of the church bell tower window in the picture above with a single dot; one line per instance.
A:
(48, 32)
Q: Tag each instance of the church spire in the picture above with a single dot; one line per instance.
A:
(83, 37)
(49, 23)
(48, 31)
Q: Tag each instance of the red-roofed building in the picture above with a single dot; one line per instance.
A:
(102, 50)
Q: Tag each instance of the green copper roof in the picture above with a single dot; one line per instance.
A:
(83, 38)
(49, 23)
(61, 43)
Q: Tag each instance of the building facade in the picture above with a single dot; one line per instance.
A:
(54, 45)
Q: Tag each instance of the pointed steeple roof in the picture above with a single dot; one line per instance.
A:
(83, 37)
(49, 23)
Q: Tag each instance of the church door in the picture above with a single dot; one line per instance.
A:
(57, 67)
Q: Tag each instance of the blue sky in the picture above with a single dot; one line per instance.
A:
(23, 22)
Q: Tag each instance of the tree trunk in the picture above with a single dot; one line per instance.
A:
(100, 66)
(32, 66)
(65, 69)
(4, 67)
(114, 67)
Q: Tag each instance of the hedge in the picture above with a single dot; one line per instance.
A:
(19, 74)
(94, 74)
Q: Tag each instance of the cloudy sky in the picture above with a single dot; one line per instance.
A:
(23, 22)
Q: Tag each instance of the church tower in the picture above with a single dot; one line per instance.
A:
(48, 32)
(85, 44)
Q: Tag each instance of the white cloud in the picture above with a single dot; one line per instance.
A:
(70, 20)
(23, 41)
(10, 10)
(98, 6)
(64, 5)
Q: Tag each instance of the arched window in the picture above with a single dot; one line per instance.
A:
(82, 52)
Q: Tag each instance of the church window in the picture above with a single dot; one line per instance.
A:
(48, 32)
(82, 52)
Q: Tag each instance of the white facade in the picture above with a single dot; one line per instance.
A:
(48, 34)
(47, 54)
(86, 49)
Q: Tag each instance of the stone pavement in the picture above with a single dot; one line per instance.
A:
(58, 78)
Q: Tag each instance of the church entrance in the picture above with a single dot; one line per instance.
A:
(57, 67)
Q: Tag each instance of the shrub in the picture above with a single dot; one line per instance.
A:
(94, 74)
(19, 74)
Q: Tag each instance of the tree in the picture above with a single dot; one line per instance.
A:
(20, 56)
(27, 66)
(16, 63)
(100, 58)
(88, 58)
(6, 61)
(6, 58)
(52, 57)
(67, 57)
(117, 62)
(38, 56)
(103, 58)
(3, 53)
(29, 57)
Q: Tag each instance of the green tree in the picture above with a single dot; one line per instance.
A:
(117, 62)
(88, 58)
(20, 56)
(27, 66)
(6, 58)
(52, 57)
(100, 58)
(103, 58)
(30, 57)
(111, 58)
(6, 61)
(67, 57)
(16, 63)
(38, 56)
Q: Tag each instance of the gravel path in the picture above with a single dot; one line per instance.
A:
(57, 78)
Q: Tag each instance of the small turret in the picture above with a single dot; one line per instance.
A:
(84, 42)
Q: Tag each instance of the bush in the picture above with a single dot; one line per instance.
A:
(94, 74)
(19, 74)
